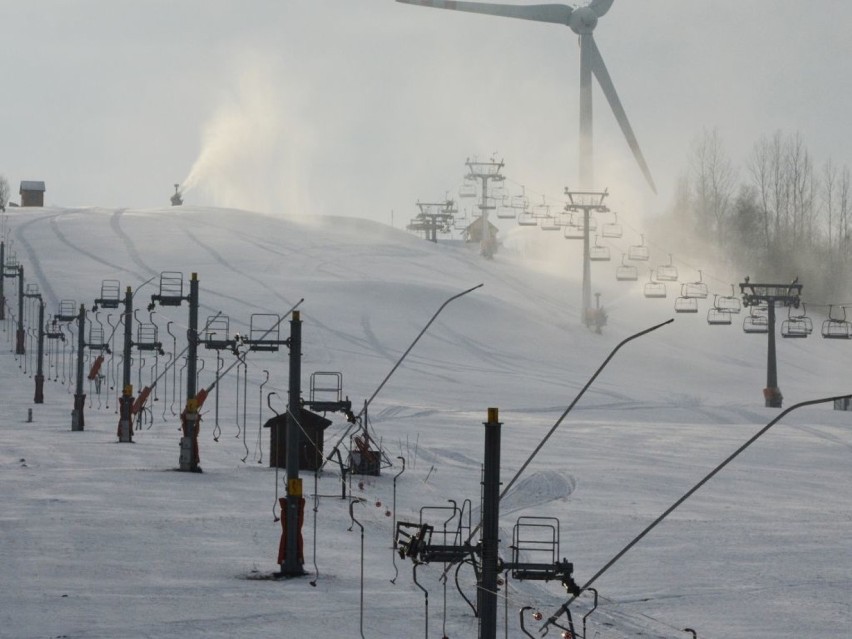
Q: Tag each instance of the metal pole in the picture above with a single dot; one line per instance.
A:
(586, 168)
(20, 349)
(2, 280)
(77, 420)
(39, 377)
(486, 595)
(485, 238)
(587, 269)
(292, 563)
(192, 338)
(125, 402)
(773, 394)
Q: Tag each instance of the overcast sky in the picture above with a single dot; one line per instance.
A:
(362, 107)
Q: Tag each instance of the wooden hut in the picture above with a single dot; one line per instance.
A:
(32, 193)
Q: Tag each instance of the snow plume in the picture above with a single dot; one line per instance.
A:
(255, 151)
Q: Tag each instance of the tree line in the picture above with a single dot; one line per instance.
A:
(779, 216)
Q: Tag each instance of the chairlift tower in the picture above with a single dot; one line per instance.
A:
(432, 217)
(788, 295)
(171, 294)
(586, 202)
(485, 172)
(20, 347)
(38, 398)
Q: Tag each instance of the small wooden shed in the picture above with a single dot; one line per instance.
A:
(473, 232)
(32, 193)
(311, 436)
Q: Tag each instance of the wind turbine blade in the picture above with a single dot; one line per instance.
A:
(599, 69)
(600, 7)
(556, 13)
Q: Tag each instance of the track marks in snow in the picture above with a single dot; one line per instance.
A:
(129, 244)
(538, 488)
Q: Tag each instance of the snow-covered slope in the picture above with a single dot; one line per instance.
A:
(101, 539)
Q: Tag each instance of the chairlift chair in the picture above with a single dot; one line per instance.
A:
(730, 303)
(171, 288)
(598, 253)
(667, 272)
(506, 213)
(718, 317)
(550, 223)
(626, 272)
(526, 219)
(574, 230)
(794, 327)
(686, 305)
(696, 290)
(612, 229)
(837, 327)
(755, 324)
(519, 202)
(639, 252)
(654, 289)
(468, 189)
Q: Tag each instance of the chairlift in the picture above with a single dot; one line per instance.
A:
(550, 223)
(264, 332)
(146, 337)
(626, 272)
(526, 219)
(216, 331)
(795, 327)
(520, 201)
(612, 229)
(800, 323)
(730, 303)
(639, 252)
(598, 253)
(654, 289)
(837, 327)
(574, 231)
(756, 322)
(467, 189)
(460, 223)
(506, 213)
(667, 272)
(171, 288)
(110, 294)
(541, 210)
(31, 290)
(686, 305)
(696, 290)
(718, 317)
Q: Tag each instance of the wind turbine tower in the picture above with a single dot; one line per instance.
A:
(582, 21)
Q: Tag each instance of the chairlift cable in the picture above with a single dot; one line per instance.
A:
(568, 410)
(686, 496)
(395, 366)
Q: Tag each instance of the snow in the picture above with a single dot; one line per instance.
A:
(101, 539)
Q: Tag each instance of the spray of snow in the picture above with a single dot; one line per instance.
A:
(256, 150)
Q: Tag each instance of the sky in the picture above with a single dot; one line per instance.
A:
(363, 107)
(102, 540)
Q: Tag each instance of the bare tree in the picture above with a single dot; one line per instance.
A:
(714, 181)
(4, 192)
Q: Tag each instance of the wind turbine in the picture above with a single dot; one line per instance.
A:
(582, 21)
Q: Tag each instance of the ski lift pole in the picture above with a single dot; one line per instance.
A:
(687, 495)
(395, 366)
